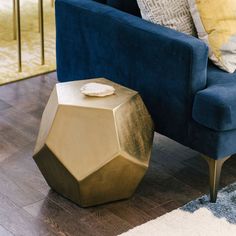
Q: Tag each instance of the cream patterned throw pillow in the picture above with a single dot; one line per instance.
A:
(215, 21)
(170, 13)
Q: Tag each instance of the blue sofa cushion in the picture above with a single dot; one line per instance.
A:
(129, 6)
(215, 106)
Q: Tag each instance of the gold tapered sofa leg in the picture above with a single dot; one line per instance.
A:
(215, 167)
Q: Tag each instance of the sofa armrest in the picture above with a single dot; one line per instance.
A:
(165, 66)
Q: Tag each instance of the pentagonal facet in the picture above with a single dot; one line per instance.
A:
(47, 120)
(116, 180)
(85, 136)
(134, 129)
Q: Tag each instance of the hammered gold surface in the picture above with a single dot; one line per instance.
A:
(135, 142)
(104, 144)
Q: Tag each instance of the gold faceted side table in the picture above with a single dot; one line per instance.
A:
(94, 150)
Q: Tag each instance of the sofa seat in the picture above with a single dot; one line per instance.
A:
(215, 106)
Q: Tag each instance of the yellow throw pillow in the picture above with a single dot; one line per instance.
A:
(215, 21)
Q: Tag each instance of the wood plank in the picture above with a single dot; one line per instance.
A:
(18, 222)
(57, 218)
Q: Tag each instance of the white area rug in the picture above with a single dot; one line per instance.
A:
(197, 218)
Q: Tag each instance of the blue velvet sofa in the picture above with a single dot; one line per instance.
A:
(190, 100)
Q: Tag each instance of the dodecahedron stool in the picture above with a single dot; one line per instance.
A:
(94, 150)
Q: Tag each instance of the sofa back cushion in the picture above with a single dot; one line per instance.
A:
(215, 22)
(170, 13)
(129, 6)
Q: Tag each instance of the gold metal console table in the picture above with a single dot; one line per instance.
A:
(17, 30)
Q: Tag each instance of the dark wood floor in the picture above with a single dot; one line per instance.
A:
(28, 206)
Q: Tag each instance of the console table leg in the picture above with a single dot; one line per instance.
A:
(39, 15)
(14, 19)
(18, 33)
(41, 31)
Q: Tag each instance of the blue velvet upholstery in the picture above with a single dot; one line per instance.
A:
(129, 6)
(168, 68)
(215, 144)
(215, 106)
(217, 76)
